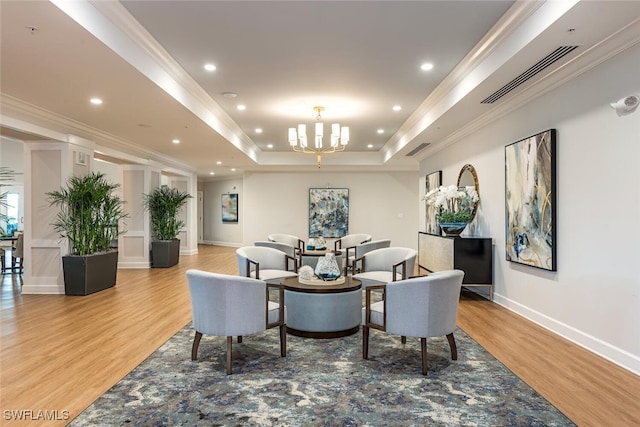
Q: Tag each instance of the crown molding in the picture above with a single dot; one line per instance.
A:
(584, 61)
(524, 21)
(50, 125)
(112, 24)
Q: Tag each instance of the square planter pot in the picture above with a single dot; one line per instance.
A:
(84, 275)
(165, 253)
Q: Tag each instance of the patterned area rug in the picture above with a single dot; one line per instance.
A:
(320, 383)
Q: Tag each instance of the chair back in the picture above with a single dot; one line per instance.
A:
(284, 247)
(268, 258)
(367, 247)
(18, 251)
(289, 239)
(383, 259)
(424, 306)
(351, 240)
(224, 305)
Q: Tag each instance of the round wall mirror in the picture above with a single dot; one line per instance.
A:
(468, 177)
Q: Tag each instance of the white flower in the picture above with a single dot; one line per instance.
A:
(453, 202)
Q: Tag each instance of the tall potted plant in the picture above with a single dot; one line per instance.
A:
(89, 218)
(164, 204)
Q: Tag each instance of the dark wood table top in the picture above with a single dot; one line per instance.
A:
(350, 284)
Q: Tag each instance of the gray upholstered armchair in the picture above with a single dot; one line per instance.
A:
(224, 305)
(419, 307)
(292, 252)
(385, 265)
(289, 239)
(264, 263)
(360, 249)
(347, 245)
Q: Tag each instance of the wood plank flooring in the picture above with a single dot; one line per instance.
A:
(59, 353)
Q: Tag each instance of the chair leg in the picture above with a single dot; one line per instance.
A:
(365, 342)
(283, 340)
(452, 344)
(423, 348)
(229, 342)
(194, 347)
(403, 339)
(239, 339)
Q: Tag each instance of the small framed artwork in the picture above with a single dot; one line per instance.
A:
(530, 201)
(433, 181)
(81, 158)
(328, 212)
(230, 208)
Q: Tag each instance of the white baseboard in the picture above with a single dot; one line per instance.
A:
(595, 345)
(216, 243)
(128, 265)
(53, 289)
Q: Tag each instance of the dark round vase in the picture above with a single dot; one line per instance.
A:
(453, 228)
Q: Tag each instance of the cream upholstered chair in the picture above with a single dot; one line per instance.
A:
(363, 248)
(419, 307)
(295, 255)
(385, 265)
(224, 305)
(17, 253)
(268, 264)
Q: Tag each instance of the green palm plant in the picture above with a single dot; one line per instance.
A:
(90, 213)
(163, 205)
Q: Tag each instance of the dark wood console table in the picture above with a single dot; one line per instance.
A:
(473, 255)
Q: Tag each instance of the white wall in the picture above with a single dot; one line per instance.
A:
(593, 299)
(214, 231)
(380, 204)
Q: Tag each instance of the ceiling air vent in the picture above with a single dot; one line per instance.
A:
(418, 149)
(544, 63)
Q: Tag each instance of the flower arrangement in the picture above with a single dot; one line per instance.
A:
(452, 203)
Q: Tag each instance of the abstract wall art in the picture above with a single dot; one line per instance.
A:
(328, 212)
(230, 207)
(433, 181)
(530, 201)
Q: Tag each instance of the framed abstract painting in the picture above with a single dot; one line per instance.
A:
(433, 181)
(328, 212)
(530, 201)
(230, 207)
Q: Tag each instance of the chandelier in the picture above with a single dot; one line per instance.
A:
(338, 142)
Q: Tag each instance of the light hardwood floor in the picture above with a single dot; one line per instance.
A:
(59, 353)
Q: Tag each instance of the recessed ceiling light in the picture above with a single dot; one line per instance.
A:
(258, 130)
(218, 162)
(212, 173)
(175, 141)
(380, 131)
(269, 145)
(370, 146)
(427, 66)
(229, 94)
(96, 101)
(242, 107)
(209, 67)
(397, 108)
(233, 169)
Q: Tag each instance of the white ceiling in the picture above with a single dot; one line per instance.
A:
(356, 58)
